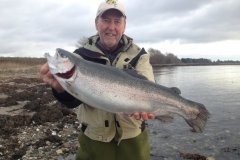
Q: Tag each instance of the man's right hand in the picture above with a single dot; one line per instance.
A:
(48, 78)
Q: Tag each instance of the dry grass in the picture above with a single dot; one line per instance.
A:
(12, 67)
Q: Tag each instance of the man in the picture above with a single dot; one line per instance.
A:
(108, 136)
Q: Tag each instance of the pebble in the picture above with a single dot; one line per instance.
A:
(210, 158)
(48, 143)
(3, 96)
(54, 133)
(66, 145)
(222, 141)
(227, 131)
(59, 151)
(175, 147)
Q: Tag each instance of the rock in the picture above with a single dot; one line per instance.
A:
(210, 158)
(54, 133)
(3, 96)
(192, 156)
(66, 145)
(59, 151)
(48, 143)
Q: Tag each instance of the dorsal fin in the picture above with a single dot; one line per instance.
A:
(134, 73)
(176, 90)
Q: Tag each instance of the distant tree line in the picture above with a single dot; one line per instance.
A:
(207, 61)
(198, 60)
(158, 58)
(226, 62)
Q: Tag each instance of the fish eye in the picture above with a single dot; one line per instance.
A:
(61, 54)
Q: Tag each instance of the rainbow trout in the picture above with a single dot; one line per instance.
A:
(116, 91)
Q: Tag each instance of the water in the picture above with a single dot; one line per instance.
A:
(218, 88)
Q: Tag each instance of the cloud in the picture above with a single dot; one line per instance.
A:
(29, 24)
(187, 21)
(32, 27)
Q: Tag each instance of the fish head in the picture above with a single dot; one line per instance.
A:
(60, 65)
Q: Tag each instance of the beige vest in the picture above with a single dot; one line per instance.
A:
(104, 126)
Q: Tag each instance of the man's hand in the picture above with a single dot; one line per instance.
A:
(143, 115)
(48, 78)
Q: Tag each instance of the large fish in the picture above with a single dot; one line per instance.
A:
(114, 90)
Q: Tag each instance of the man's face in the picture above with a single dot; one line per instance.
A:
(110, 26)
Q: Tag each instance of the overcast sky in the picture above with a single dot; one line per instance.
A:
(186, 28)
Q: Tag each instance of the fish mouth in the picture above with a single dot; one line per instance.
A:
(67, 74)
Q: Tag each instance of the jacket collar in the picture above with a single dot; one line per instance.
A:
(92, 44)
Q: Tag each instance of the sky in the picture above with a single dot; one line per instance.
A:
(187, 28)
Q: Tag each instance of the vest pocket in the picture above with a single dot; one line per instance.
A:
(106, 123)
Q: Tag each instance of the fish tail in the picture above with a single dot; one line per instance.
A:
(198, 123)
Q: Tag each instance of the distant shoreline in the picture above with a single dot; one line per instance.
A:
(194, 64)
(34, 60)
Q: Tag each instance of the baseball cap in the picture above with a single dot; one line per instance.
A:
(111, 4)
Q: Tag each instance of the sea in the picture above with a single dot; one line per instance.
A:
(218, 88)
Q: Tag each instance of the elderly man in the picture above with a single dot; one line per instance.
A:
(108, 136)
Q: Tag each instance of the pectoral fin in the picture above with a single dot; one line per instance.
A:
(176, 90)
(165, 118)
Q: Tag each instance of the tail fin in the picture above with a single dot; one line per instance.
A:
(199, 122)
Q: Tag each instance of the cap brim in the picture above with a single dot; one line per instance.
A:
(120, 12)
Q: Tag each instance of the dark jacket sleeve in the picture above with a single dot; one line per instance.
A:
(66, 99)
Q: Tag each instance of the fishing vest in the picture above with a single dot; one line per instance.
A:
(101, 125)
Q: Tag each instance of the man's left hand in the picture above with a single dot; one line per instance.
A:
(143, 115)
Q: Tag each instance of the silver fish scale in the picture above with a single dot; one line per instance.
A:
(114, 90)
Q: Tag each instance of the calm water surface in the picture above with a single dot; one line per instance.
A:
(218, 88)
